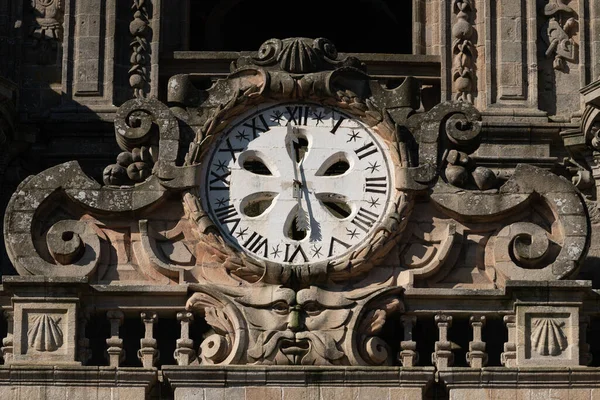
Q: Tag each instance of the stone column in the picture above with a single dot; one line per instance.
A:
(509, 357)
(408, 347)
(115, 351)
(148, 353)
(443, 358)
(476, 356)
(184, 353)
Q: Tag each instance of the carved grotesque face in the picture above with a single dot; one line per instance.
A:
(304, 327)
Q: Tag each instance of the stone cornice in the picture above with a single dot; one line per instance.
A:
(216, 376)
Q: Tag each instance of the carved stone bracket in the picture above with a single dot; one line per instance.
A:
(524, 250)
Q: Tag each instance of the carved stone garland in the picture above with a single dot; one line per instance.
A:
(139, 73)
(463, 51)
(252, 84)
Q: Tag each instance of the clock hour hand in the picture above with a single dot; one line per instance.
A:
(296, 154)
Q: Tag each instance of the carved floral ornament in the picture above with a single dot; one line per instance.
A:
(261, 124)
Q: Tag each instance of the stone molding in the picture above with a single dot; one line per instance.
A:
(297, 376)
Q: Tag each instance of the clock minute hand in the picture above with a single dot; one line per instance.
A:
(302, 223)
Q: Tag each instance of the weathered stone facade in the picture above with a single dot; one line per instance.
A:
(289, 221)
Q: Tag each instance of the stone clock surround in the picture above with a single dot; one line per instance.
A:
(295, 326)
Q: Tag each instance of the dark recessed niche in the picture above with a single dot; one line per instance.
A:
(354, 26)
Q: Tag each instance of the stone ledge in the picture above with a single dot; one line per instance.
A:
(216, 376)
(500, 377)
(17, 375)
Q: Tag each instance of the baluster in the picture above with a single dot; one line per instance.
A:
(83, 343)
(509, 357)
(7, 342)
(148, 353)
(184, 353)
(476, 356)
(116, 354)
(585, 356)
(443, 358)
(408, 348)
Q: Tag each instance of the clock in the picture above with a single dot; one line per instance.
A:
(298, 183)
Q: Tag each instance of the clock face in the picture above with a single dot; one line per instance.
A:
(298, 183)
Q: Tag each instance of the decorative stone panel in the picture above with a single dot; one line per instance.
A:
(547, 335)
(44, 332)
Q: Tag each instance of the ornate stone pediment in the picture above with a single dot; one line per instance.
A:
(427, 215)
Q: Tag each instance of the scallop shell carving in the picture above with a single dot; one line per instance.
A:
(45, 333)
(548, 338)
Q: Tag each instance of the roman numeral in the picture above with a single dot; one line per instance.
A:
(226, 215)
(365, 219)
(256, 242)
(256, 128)
(366, 150)
(298, 115)
(337, 125)
(376, 185)
(338, 241)
(220, 178)
(290, 258)
(231, 150)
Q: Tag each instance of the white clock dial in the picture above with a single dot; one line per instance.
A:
(298, 183)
